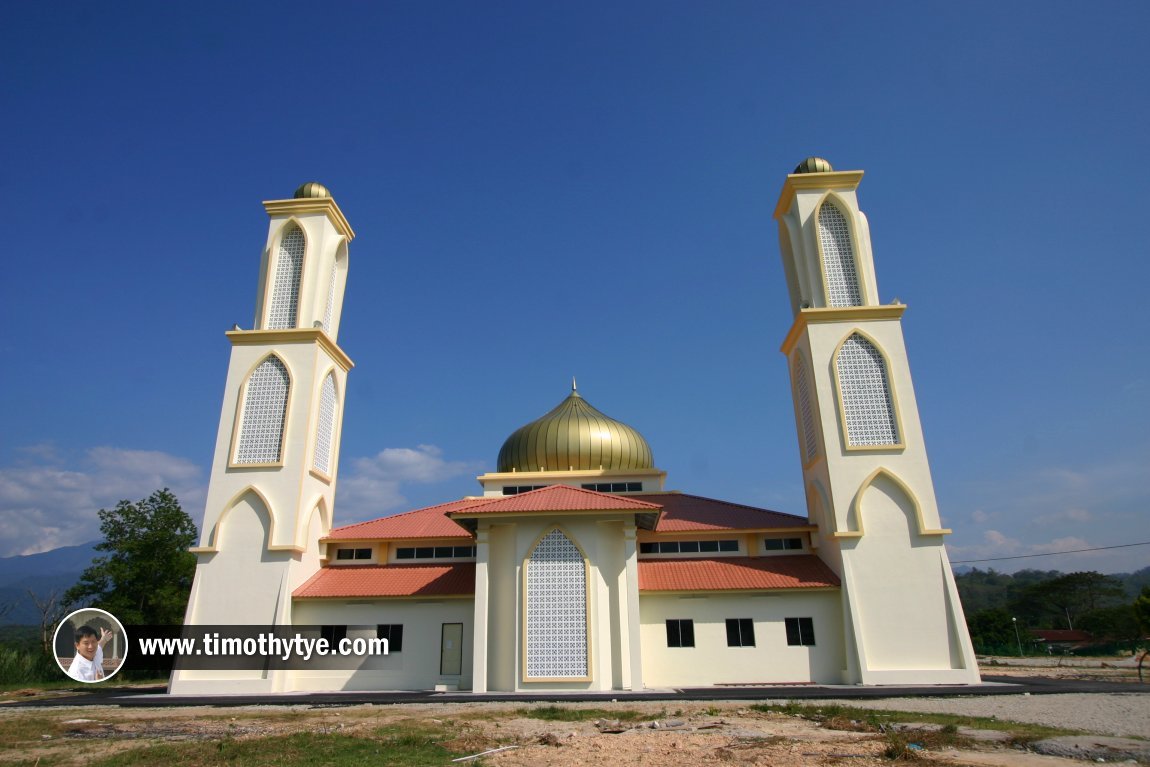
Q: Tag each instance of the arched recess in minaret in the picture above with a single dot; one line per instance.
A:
(285, 272)
(885, 505)
(556, 615)
(323, 452)
(259, 438)
(838, 253)
(337, 278)
(246, 522)
(868, 408)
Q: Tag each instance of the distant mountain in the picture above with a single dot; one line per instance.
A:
(42, 573)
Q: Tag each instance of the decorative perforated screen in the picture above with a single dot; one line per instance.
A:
(868, 407)
(330, 300)
(806, 410)
(285, 287)
(321, 460)
(265, 407)
(838, 258)
(556, 610)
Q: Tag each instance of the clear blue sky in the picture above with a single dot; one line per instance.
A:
(543, 190)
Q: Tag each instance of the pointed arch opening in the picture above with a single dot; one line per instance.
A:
(322, 454)
(869, 416)
(283, 306)
(555, 623)
(263, 414)
(841, 277)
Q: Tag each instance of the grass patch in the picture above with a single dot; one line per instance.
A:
(20, 732)
(410, 748)
(563, 714)
(834, 714)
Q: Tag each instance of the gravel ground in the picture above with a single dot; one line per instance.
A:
(1117, 714)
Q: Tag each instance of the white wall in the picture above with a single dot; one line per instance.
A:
(712, 662)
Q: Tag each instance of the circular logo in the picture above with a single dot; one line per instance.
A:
(90, 645)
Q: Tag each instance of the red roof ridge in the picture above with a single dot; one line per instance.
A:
(726, 503)
(477, 499)
(626, 504)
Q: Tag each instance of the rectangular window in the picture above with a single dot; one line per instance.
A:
(680, 632)
(649, 548)
(800, 631)
(517, 489)
(333, 634)
(613, 487)
(783, 544)
(728, 545)
(688, 547)
(393, 633)
(740, 632)
(353, 554)
(436, 552)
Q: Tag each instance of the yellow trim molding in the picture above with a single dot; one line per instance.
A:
(292, 336)
(325, 205)
(842, 410)
(837, 314)
(844, 179)
(856, 505)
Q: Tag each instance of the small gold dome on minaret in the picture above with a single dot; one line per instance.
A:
(814, 165)
(312, 189)
(574, 436)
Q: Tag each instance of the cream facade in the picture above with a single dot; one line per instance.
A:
(573, 568)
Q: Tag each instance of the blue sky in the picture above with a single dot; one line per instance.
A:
(543, 190)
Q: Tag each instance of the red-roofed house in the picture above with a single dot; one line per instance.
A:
(574, 568)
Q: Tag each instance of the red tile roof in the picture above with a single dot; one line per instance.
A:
(559, 498)
(390, 581)
(690, 513)
(802, 571)
(421, 523)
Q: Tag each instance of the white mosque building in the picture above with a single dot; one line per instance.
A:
(575, 568)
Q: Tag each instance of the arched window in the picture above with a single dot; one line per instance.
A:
(868, 406)
(556, 610)
(285, 286)
(810, 445)
(842, 279)
(325, 433)
(264, 412)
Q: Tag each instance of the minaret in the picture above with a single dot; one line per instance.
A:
(865, 468)
(277, 451)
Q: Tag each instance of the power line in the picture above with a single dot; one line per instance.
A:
(1050, 554)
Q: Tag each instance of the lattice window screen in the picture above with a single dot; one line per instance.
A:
(264, 411)
(868, 407)
(321, 460)
(556, 609)
(285, 287)
(806, 410)
(330, 300)
(838, 258)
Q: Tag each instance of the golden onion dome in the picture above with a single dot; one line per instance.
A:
(574, 436)
(814, 165)
(312, 189)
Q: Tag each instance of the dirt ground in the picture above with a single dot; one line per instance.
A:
(666, 733)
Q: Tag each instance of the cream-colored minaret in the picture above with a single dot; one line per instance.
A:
(865, 468)
(277, 452)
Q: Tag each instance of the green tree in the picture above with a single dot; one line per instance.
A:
(1142, 610)
(145, 575)
(1055, 603)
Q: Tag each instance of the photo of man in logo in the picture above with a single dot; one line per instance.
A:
(90, 645)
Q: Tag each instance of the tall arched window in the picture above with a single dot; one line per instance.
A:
(842, 278)
(285, 286)
(556, 610)
(264, 413)
(324, 437)
(810, 445)
(868, 406)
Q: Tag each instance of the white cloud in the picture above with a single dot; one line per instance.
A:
(980, 517)
(372, 486)
(45, 503)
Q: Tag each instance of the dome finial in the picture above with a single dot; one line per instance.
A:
(814, 165)
(573, 386)
(312, 189)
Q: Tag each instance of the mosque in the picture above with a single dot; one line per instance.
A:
(575, 568)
